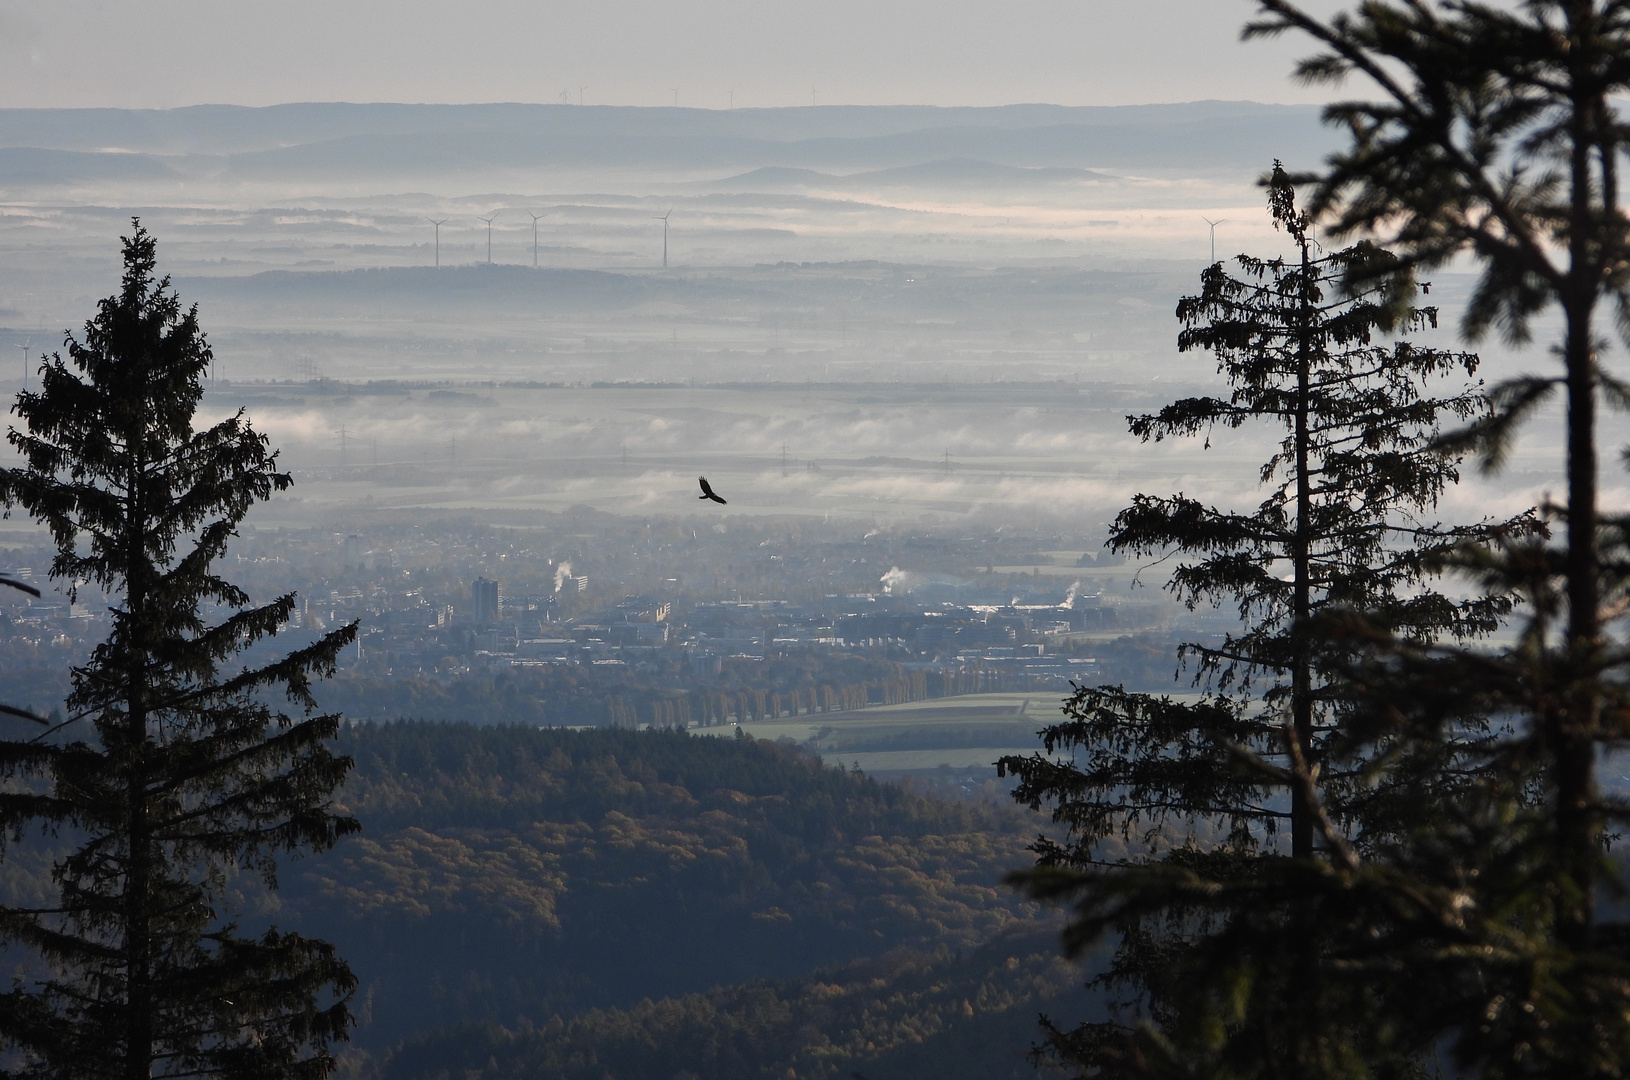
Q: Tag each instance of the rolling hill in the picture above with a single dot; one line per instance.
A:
(523, 878)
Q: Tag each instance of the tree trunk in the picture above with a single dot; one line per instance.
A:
(138, 959)
(1301, 687)
(138, 939)
(1572, 723)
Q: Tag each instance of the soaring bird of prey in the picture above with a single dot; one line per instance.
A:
(707, 491)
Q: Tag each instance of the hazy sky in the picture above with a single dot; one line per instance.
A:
(164, 53)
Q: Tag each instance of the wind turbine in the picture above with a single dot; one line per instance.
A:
(675, 90)
(580, 90)
(664, 219)
(535, 218)
(489, 221)
(1213, 225)
(732, 97)
(24, 346)
(438, 225)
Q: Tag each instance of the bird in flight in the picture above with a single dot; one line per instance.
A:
(707, 491)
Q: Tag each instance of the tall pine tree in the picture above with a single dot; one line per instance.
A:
(1345, 527)
(1493, 132)
(1497, 132)
(187, 773)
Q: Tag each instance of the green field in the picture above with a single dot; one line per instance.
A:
(960, 732)
(966, 732)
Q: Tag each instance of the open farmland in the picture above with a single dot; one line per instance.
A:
(962, 732)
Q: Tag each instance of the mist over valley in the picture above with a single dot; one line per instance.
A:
(650, 787)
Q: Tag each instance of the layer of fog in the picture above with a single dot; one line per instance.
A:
(884, 313)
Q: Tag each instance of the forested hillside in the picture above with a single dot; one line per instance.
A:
(907, 1016)
(508, 876)
(587, 696)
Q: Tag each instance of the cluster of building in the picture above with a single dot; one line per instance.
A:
(1025, 641)
(431, 600)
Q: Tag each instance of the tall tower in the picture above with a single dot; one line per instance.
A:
(484, 599)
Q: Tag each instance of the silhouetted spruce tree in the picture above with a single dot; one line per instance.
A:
(1498, 132)
(187, 773)
(1345, 527)
(1495, 132)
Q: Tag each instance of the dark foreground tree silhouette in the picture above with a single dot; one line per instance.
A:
(1498, 135)
(187, 774)
(1477, 933)
(1345, 526)
(1499, 132)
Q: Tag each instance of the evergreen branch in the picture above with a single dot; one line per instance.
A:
(19, 585)
(1615, 391)
(22, 714)
(1511, 403)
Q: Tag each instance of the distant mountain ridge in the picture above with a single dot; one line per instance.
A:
(274, 142)
(228, 129)
(36, 165)
(951, 171)
(863, 289)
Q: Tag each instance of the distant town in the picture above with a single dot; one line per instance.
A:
(652, 614)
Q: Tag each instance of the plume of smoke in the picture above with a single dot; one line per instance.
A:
(563, 574)
(1069, 597)
(895, 577)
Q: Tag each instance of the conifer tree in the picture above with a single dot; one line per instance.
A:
(187, 773)
(1345, 527)
(1498, 132)
(1495, 133)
